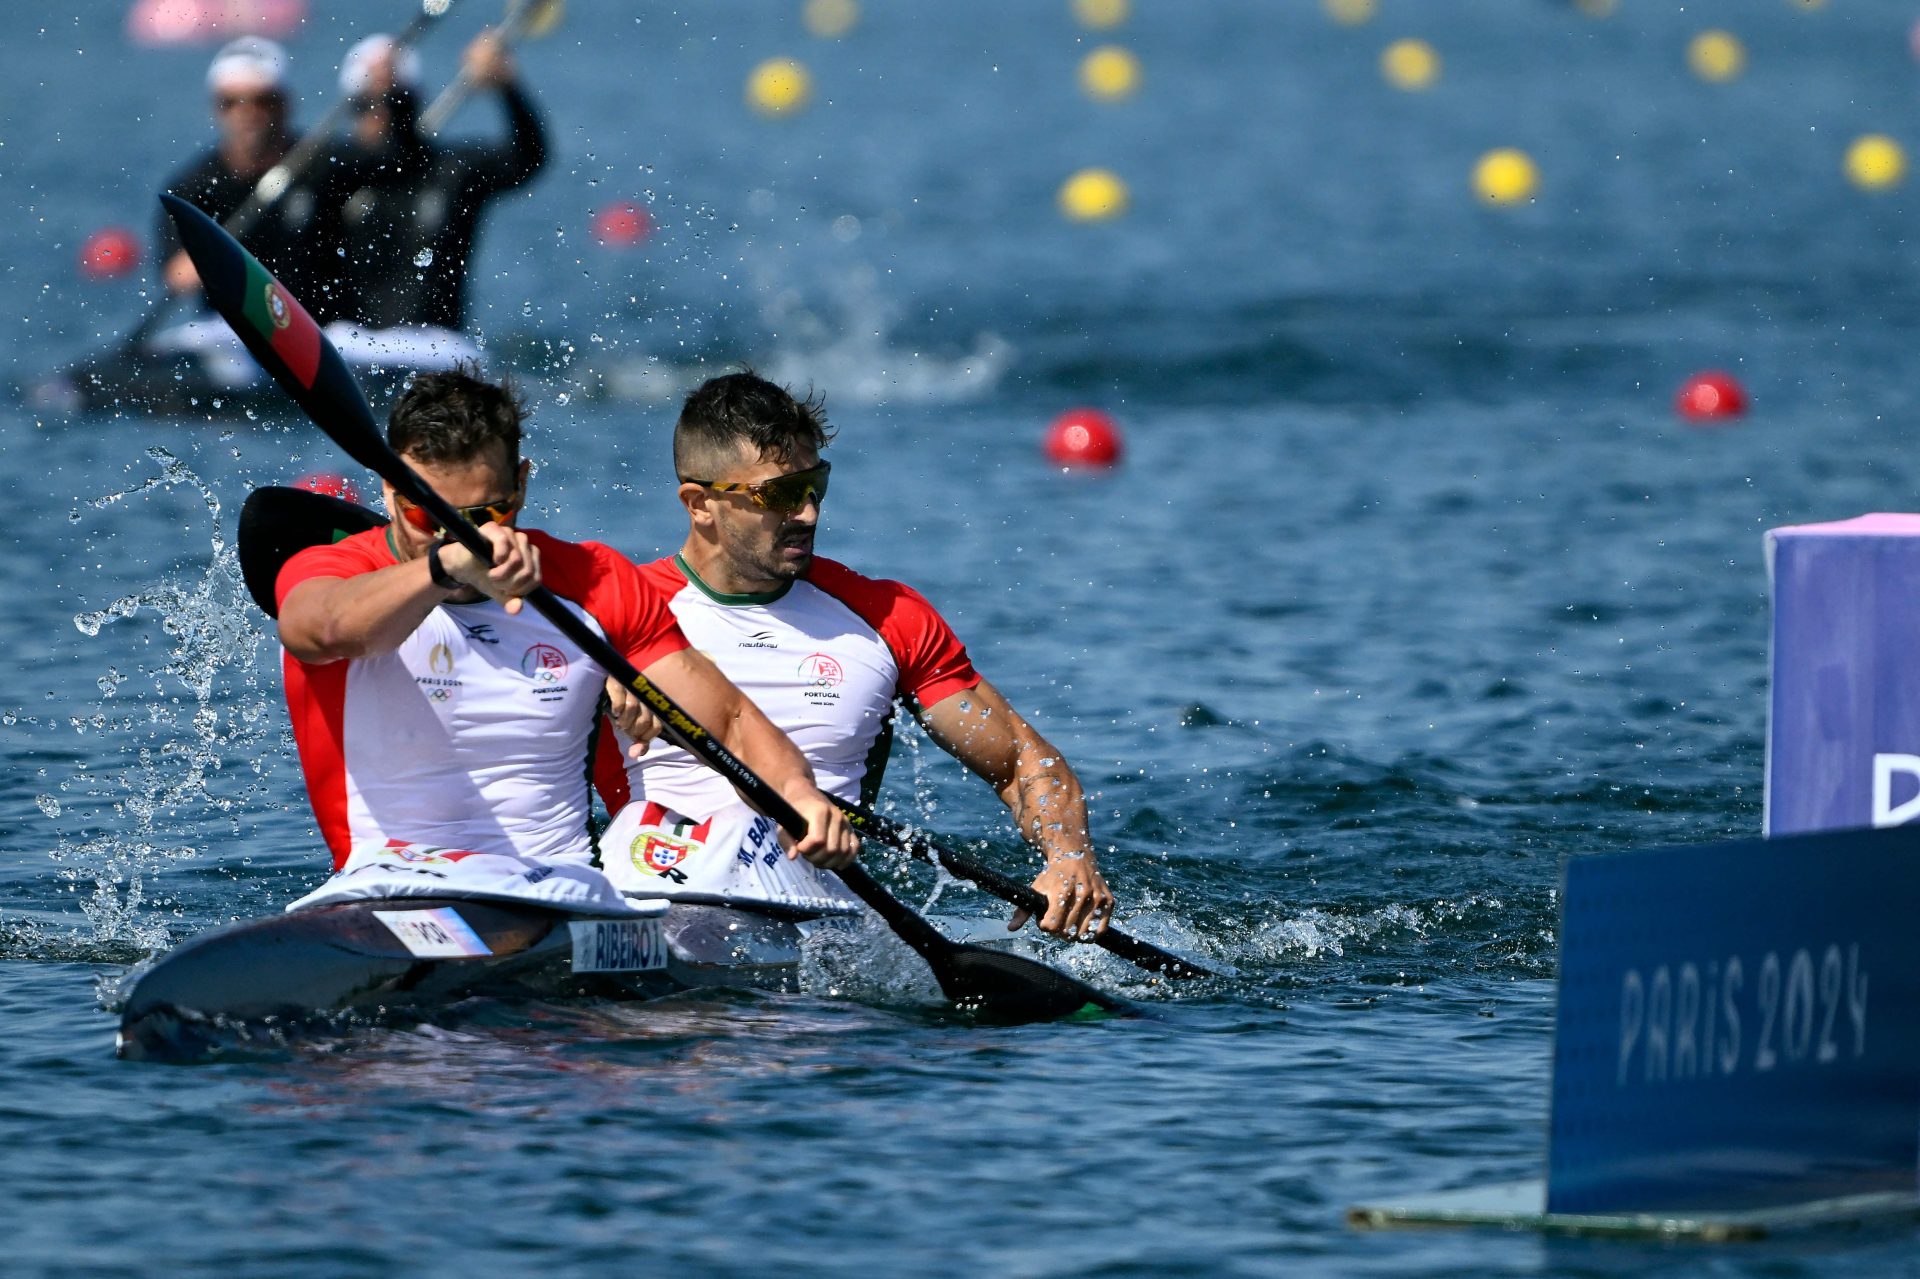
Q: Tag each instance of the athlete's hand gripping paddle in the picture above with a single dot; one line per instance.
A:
(281, 335)
(523, 18)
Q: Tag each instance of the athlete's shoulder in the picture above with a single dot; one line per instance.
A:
(629, 603)
(576, 570)
(364, 552)
(933, 661)
(875, 599)
(664, 575)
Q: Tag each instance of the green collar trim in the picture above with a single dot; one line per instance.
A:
(721, 597)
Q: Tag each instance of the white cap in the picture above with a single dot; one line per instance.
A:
(250, 60)
(356, 70)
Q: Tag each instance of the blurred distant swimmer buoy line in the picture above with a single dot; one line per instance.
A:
(1084, 438)
(779, 86)
(1093, 195)
(109, 252)
(1505, 176)
(1710, 398)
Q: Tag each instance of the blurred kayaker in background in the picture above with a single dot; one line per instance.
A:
(412, 215)
(297, 236)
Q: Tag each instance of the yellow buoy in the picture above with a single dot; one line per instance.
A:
(1875, 162)
(830, 19)
(1093, 195)
(1100, 15)
(1410, 64)
(779, 86)
(1505, 176)
(1716, 56)
(1349, 13)
(1109, 73)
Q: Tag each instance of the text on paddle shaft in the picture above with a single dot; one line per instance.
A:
(1682, 1022)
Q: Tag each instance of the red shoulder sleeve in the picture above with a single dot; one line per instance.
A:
(629, 603)
(349, 557)
(933, 662)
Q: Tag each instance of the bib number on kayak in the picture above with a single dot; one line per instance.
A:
(618, 945)
(434, 934)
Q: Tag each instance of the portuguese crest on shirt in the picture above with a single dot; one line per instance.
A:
(546, 669)
(821, 673)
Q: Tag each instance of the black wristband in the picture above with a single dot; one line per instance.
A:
(441, 578)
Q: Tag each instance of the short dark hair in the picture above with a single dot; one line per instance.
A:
(724, 413)
(452, 416)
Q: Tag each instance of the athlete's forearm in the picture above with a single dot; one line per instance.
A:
(1048, 803)
(330, 619)
(712, 701)
(749, 734)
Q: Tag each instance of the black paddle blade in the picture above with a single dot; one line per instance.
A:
(999, 986)
(265, 316)
(1012, 988)
(1142, 954)
(278, 523)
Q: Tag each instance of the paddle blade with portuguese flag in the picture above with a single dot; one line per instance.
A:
(266, 316)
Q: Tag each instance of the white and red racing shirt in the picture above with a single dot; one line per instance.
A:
(826, 658)
(478, 731)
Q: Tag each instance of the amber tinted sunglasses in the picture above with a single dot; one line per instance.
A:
(783, 494)
(485, 513)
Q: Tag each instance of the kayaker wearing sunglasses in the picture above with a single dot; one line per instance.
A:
(827, 654)
(433, 711)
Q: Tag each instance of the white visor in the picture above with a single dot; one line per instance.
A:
(250, 60)
(356, 70)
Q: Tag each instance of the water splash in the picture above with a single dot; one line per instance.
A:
(845, 344)
(839, 333)
(168, 729)
(866, 962)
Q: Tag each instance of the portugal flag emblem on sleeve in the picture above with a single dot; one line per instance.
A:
(277, 316)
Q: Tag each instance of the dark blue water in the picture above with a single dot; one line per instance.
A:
(1410, 587)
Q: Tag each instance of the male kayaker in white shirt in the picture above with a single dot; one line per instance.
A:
(826, 653)
(433, 711)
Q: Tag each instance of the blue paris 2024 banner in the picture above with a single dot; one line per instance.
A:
(1739, 1025)
(1843, 729)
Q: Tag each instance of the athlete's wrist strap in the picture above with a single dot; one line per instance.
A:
(441, 578)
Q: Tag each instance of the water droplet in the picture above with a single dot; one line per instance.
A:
(48, 805)
(423, 258)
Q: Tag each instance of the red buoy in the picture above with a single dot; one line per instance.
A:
(108, 252)
(1711, 395)
(622, 225)
(1083, 437)
(330, 484)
